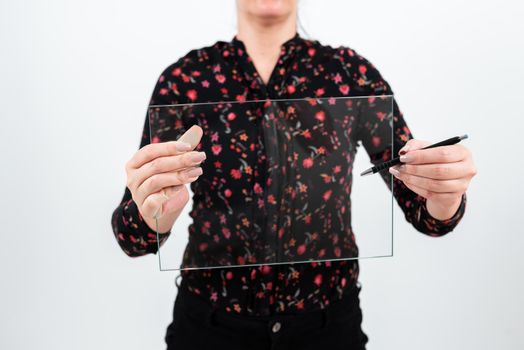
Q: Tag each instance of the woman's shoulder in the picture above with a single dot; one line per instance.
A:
(354, 66)
(343, 53)
(195, 58)
(181, 80)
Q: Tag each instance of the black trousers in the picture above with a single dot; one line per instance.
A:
(197, 326)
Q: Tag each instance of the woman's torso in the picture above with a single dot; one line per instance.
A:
(228, 196)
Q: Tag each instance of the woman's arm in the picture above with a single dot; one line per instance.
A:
(415, 206)
(136, 235)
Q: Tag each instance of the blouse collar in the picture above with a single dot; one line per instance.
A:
(287, 47)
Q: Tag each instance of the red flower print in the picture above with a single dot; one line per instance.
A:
(235, 174)
(205, 83)
(176, 72)
(362, 69)
(319, 92)
(163, 91)
(155, 139)
(229, 275)
(337, 252)
(306, 134)
(343, 281)
(344, 89)
(311, 51)
(307, 162)
(220, 78)
(320, 116)
(231, 116)
(265, 269)
(327, 178)
(376, 141)
(216, 149)
(290, 89)
(192, 94)
(318, 280)
(202, 247)
(257, 188)
(327, 194)
(241, 98)
(228, 193)
(301, 249)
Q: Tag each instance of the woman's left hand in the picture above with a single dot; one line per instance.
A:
(441, 175)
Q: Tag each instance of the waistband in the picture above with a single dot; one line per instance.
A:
(196, 307)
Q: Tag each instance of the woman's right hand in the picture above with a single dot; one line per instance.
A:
(162, 167)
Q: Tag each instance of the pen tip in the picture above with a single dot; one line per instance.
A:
(367, 172)
(463, 137)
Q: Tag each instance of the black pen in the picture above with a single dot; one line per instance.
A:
(395, 161)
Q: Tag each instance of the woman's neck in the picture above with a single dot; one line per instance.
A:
(263, 40)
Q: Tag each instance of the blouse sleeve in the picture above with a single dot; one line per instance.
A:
(412, 204)
(132, 233)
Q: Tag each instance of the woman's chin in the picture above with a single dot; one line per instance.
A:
(269, 9)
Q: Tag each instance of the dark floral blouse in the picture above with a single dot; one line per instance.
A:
(225, 72)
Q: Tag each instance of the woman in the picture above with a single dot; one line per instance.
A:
(288, 306)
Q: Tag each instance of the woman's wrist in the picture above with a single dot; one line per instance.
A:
(444, 210)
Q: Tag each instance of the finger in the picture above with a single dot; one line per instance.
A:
(413, 144)
(158, 181)
(447, 196)
(166, 164)
(442, 154)
(439, 171)
(433, 185)
(155, 150)
(175, 199)
(154, 204)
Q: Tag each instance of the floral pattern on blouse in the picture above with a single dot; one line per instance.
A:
(227, 196)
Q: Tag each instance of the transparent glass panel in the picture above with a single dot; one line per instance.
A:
(281, 182)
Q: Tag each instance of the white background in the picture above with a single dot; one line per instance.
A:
(76, 78)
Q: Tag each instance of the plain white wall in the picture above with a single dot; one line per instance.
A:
(76, 78)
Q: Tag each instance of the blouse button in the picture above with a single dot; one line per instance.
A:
(276, 327)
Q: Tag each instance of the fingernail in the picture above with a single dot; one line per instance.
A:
(403, 150)
(194, 172)
(197, 157)
(394, 171)
(184, 146)
(406, 158)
